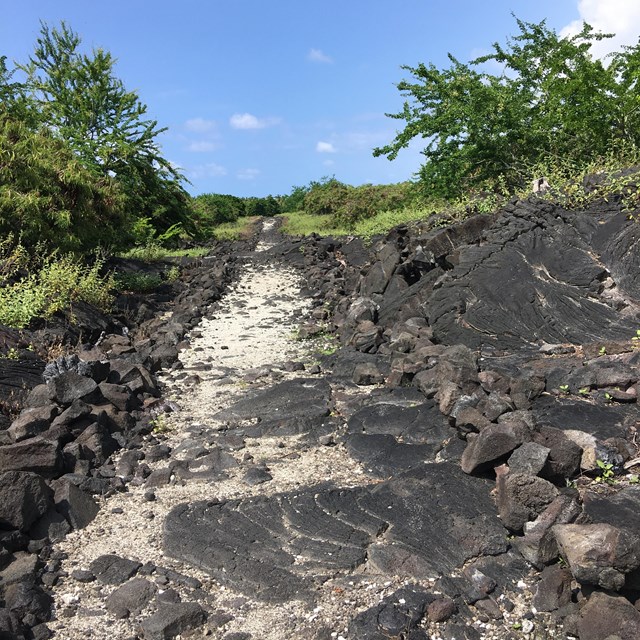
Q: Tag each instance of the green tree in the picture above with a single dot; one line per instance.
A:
(552, 100)
(81, 101)
(293, 201)
(48, 196)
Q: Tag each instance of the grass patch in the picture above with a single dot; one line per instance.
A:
(240, 229)
(137, 282)
(155, 253)
(304, 224)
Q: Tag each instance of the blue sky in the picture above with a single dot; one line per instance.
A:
(262, 95)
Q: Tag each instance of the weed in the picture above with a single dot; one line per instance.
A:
(584, 391)
(173, 274)
(160, 424)
(606, 474)
(49, 283)
(602, 351)
(564, 389)
(636, 340)
(11, 354)
(137, 282)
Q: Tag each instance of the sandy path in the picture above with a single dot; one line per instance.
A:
(253, 327)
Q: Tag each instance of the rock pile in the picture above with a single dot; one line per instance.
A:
(72, 415)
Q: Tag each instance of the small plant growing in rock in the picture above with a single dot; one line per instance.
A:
(607, 473)
(584, 391)
(636, 340)
(173, 274)
(603, 351)
(564, 389)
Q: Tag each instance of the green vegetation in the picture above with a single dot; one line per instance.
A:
(137, 282)
(235, 230)
(80, 164)
(553, 104)
(606, 473)
(40, 286)
(81, 167)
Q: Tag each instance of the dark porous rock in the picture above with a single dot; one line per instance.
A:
(396, 616)
(281, 547)
(599, 554)
(491, 446)
(28, 601)
(521, 497)
(32, 422)
(97, 443)
(564, 456)
(135, 377)
(24, 497)
(75, 505)
(538, 545)
(77, 415)
(172, 620)
(288, 408)
(367, 373)
(441, 609)
(528, 458)
(417, 423)
(70, 386)
(257, 475)
(112, 569)
(118, 395)
(22, 568)
(83, 575)
(554, 589)
(542, 253)
(607, 616)
(390, 438)
(128, 462)
(52, 526)
(18, 377)
(35, 454)
(131, 597)
(384, 456)
(600, 421)
(622, 509)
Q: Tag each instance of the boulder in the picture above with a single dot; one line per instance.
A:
(607, 616)
(172, 620)
(522, 497)
(24, 497)
(35, 454)
(598, 554)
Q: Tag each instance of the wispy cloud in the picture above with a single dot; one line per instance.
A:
(621, 17)
(249, 121)
(317, 55)
(209, 170)
(200, 125)
(325, 147)
(202, 146)
(248, 174)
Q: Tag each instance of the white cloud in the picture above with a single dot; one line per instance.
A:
(325, 147)
(249, 121)
(621, 17)
(248, 174)
(209, 170)
(317, 55)
(200, 125)
(202, 146)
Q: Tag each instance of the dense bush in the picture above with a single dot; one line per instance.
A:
(48, 195)
(79, 160)
(348, 205)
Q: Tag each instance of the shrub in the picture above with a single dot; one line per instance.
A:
(50, 284)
